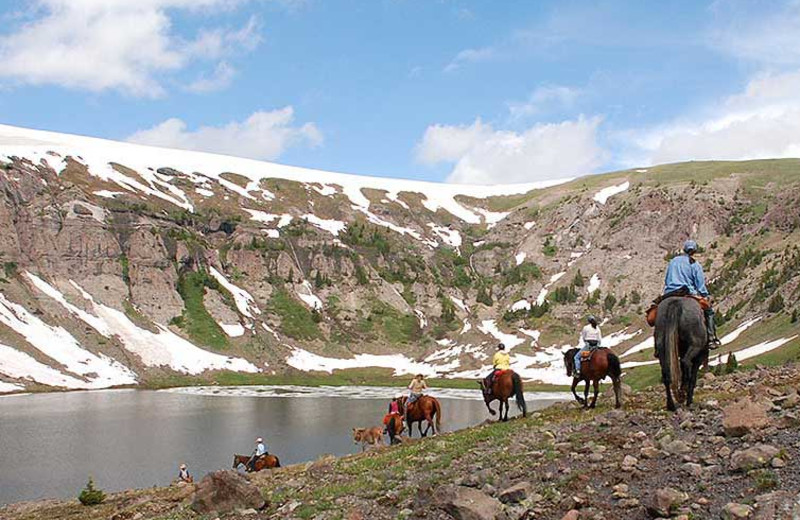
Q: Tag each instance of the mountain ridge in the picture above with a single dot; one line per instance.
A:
(141, 257)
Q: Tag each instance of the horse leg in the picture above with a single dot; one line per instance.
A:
(596, 384)
(692, 384)
(617, 392)
(575, 382)
(670, 402)
(586, 395)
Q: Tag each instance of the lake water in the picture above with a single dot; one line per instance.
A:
(51, 443)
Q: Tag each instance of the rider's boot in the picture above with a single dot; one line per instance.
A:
(711, 330)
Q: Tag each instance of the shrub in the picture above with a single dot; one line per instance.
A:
(578, 281)
(775, 304)
(484, 297)
(549, 248)
(731, 365)
(609, 302)
(91, 496)
(794, 316)
(10, 269)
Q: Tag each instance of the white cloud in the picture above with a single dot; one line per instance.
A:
(100, 45)
(220, 79)
(763, 121)
(470, 56)
(263, 135)
(543, 98)
(482, 155)
(767, 33)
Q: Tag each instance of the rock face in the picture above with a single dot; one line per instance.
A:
(225, 491)
(744, 416)
(465, 503)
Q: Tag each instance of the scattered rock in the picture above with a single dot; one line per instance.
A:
(649, 452)
(777, 463)
(465, 503)
(516, 493)
(778, 505)
(677, 447)
(629, 463)
(693, 469)
(756, 457)
(224, 491)
(667, 500)
(744, 416)
(732, 511)
(572, 514)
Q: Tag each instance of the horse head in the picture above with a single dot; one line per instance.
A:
(569, 360)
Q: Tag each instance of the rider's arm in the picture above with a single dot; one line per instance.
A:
(699, 279)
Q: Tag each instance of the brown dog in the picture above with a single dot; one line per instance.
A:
(368, 436)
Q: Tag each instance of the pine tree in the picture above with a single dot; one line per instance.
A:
(91, 496)
(731, 364)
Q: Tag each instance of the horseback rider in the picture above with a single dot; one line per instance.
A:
(500, 361)
(416, 388)
(259, 452)
(684, 273)
(591, 337)
(396, 406)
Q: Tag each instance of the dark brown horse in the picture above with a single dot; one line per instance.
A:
(426, 408)
(603, 363)
(506, 385)
(681, 347)
(263, 462)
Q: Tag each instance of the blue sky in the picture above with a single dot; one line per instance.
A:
(445, 90)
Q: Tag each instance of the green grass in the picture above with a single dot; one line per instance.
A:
(296, 320)
(195, 320)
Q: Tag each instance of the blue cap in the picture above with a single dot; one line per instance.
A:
(689, 246)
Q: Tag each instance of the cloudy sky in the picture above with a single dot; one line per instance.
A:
(445, 90)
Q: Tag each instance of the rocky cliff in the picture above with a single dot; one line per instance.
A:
(126, 264)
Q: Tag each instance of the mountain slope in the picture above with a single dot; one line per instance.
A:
(127, 264)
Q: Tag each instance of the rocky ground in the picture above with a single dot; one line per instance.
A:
(734, 455)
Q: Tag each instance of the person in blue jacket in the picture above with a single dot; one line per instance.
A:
(684, 272)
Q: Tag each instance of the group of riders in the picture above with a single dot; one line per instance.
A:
(684, 278)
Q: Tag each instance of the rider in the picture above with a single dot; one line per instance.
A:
(686, 273)
(183, 474)
(416, 387)
(396, 406)
(591, 338)
(500, 361)
(260, 450)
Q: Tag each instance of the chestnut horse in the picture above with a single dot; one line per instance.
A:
(263, 462)
(603, 363)
(394, 426)
(426, 408)
(681, 347)
(506, 385)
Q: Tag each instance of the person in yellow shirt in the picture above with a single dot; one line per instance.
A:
(500, 361)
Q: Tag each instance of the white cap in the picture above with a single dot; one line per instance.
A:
(259, 440)
(183, 466)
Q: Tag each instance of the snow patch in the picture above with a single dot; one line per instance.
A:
(594, 284)
(334, 227)
(603, 195)
(644, 345)
(305, 293)
(7, 388)
(449, 236)
(107, 194)
(520, 257)
(755, 350)
(19, 365)
(243, 299)
(733, 335)
(233, 330)
(260, 216)
(529, 225)
(509, 340)
(310, 362)
(467, 327)
(540, 299)
(459, 303)
(204, 192)
(521, 305)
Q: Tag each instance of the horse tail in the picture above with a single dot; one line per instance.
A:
(517, 389)
(614, 368)
(668, 349)
(438, 409)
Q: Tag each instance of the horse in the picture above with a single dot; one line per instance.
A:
(368, 437)
(504, 386)
(426, 408)
(603, 363)
(394, 426)
(263, 462)
(681, 345)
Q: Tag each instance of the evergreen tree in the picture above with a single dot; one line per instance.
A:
(91, 496)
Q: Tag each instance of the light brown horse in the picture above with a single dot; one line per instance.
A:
(603, 363)
(506, 385)
(426, 408)
(263, 462)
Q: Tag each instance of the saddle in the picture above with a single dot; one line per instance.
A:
(586, 355)
(652, 312)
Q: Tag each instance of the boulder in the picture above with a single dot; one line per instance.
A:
(743, 417)
(464, 503)
(516, 493)
(666, 501)
(225, 491)
(676, 447)
(756, 457)
(733, 511)
(778, 505)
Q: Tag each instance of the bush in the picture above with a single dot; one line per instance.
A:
(731, 365)
(794, 316)
(91, 496)
(775, 304)
(484, 297)
(609, 302)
